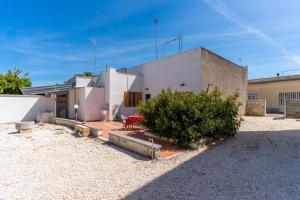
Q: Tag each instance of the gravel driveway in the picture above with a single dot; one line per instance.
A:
(261, 162)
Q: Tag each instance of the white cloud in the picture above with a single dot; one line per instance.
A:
(220, 7)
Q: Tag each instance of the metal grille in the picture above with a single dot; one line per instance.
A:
(252, 96)
(283, 96)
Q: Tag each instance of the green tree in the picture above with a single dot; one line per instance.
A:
(88, 74)
(13, 81)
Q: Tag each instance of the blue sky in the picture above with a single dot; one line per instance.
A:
(50, 39)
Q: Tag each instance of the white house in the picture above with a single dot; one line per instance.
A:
(119, 91)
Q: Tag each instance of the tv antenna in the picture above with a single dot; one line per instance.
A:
(179, 39)
(155, 21)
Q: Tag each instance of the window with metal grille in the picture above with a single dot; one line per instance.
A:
(252, 96)
(283, 96)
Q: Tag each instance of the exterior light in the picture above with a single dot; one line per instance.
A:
(76, 106)
(146, 88)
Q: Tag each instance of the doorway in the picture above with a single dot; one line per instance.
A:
(62, 106)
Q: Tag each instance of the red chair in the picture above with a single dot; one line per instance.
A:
(124, 119)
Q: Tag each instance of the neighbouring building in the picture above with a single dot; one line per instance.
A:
(276, 90)
(120, 91)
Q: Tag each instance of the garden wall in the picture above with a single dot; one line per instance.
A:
(292, 109)
(16, 108)
(256, 107)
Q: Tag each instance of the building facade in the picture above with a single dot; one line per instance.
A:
(120, 91)
(276, 90)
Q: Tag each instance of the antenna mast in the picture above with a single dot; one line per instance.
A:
(94, 43)
(155, 21)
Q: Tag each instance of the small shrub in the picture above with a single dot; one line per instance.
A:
(188, 117)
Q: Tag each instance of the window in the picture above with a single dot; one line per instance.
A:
(252, 96)
(132, 99)
(283, 96)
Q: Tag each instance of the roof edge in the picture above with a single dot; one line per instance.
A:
(242, 67)
(274, 79)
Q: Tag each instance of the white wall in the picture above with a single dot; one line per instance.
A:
(83, 81)
(94, 103)
(90, 100)
(166, 73)
(76, 96)
(115, 86)
(170, 72)
(15, 108)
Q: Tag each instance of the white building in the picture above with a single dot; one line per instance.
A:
(119, 91)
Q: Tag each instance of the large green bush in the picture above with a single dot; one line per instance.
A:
(188, 117)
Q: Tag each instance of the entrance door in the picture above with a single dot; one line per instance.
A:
(62, 106)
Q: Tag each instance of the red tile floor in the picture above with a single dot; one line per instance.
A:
(167, 150)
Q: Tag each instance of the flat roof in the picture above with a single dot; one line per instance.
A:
(274, 79)
(186, 52)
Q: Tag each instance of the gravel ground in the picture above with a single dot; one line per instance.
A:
(261, 162)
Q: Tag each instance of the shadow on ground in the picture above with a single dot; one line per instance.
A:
(13, 133)
(252, 165)
(126, 151)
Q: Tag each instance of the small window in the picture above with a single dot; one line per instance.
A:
(252, 96)
(132, 99)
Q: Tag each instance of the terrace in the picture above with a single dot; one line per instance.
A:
(168, 150)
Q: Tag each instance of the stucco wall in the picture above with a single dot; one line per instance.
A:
(228, 77)
(76, 96)
(90, 100)
(115, 86)
(15, 108)
(270, 91)
(84, 81)
(171, 72)
(94, 103)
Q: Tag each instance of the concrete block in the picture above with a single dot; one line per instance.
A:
(45, 117)
(139, 146)
(256, 107)
(23, 127)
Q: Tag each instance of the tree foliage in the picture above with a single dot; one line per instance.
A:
(88, 74)
(13, 81)
(187, 118)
